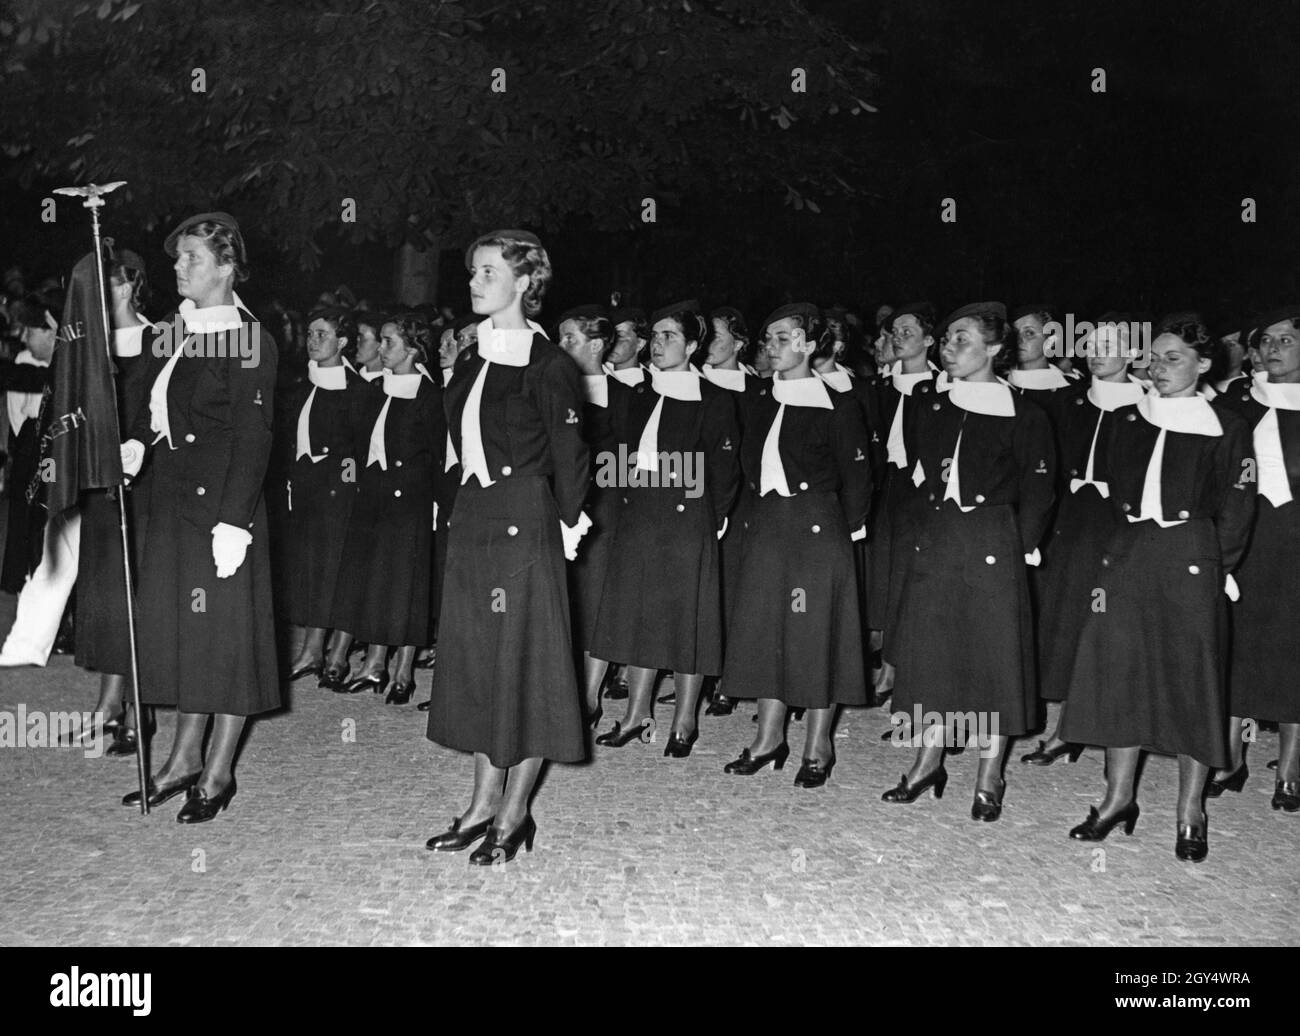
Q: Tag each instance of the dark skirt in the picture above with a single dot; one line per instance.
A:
(731, 553)
(505, 684)
(965, 633)
(319, 508)
(893, 548)
(1149, 670)
(797, 635)
(25, 531)
(661, 604)
(101, 630)
(207, 645)
(385, 579)
(1068, 579)
(1265, 667)
(587, 573)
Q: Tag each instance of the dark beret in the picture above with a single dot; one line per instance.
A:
(727, 313)
(1032, 309)
(687, 309)
(923, 310)
(623, 314)
(1277, 316)
(187, 225)
(805, 310)
(976, 309)
(466, 320)
(589, 312)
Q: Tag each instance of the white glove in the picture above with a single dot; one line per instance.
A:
(1231, 589)
(860, 534)
(723, 531)
(229, 545)
(132, 457)
(1035, 559)
(572, 534)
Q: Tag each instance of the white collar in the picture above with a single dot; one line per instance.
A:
(627, 375)
(840, 379)
(806, 392)
(129, 341)
(1045, 378)
(404, 386)
(1111, 395)
(904, 383)
(1278, 396)
(508, 346)
(211, 320)
(978, 397)
(370, 375)
(331, 378)
(683, 385)
(732, 381)
(1192, 415)
(447, 372)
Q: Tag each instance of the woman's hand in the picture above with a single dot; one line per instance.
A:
(229, 546)
(132, 457)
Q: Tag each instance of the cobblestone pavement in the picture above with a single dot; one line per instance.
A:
(324, 843)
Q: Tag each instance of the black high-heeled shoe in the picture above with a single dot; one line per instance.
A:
(1044, 756)
(160, 793)
(1235, 781)
(813, 774)
(592, 717)
(400, 694)
(1286, 796)
(498, 846)
(332, 678)
(747, 765)
(374, 681)
(1192, 844)
(618, 737)
(618, 690)
(680, 748)
(456, 838)
(199, 808)
(796, 714)
(425, 706)
(427, 661)
(936, 779)
(1094, 829)
(668, 699)
(720, 705)
(306, 669)
(987, 805)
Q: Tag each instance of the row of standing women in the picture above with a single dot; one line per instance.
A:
(719, 509)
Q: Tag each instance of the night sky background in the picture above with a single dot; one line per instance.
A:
(1131, 199)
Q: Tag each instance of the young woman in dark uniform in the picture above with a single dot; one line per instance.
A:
(897, 511)
(365, 356)
(1265, 649)
(322, 484)
(207, 629)
(1150, 665)
(661, 607)
(1085, 520)
(383, 594)
(1034, 374)
(796, 640)
(505, 687)
(985, 461)
(728, 344)
(102, 638)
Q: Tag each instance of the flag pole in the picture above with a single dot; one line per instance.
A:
(94, 201)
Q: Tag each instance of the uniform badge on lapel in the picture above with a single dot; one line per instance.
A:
(726, 445)
(257, 399)
(572, 418)
(860, 455)
(1042, 468)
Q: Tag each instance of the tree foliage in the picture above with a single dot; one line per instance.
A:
(390, 103)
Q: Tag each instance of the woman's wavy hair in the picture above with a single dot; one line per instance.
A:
(360, 317)
(995, 329)
(1191, 329)
(126, 269)
(225, 243)
(736, 326)
(415, 333)
(341, 320)
(523, 258)
(596, 327)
